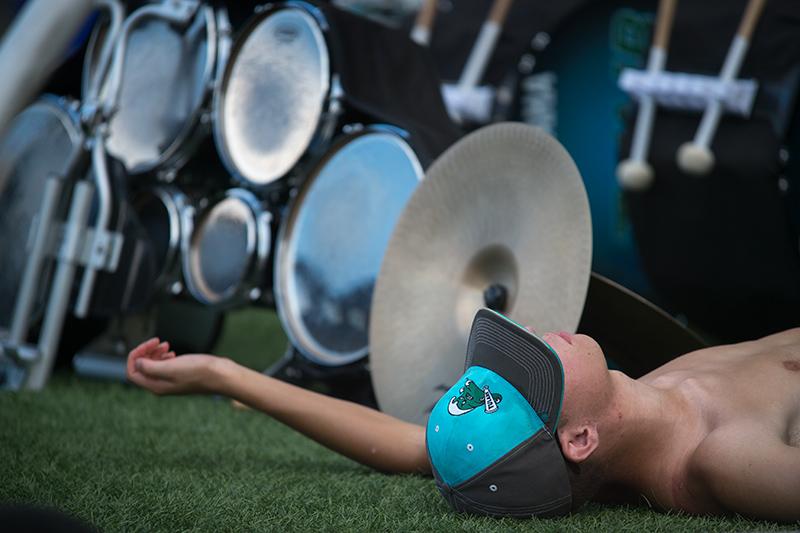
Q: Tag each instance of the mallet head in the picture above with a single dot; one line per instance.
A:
(695, 159)
(634, 175)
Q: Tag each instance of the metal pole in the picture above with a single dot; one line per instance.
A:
(33, 48)
(69, 256)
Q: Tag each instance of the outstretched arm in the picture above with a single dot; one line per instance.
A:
(365, 435)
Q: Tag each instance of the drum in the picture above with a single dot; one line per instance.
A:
(168, 74)
(161, 211)
(225, 249)
(568, 86)
(38, 143)
(333, 239)
(277, 96)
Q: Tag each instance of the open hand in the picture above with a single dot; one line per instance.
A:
(153, 366)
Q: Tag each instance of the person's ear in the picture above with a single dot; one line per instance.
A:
(578, 442)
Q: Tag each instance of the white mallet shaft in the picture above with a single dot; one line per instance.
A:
(421, 32)
(634, 172)
(484, 45)
(696, 157)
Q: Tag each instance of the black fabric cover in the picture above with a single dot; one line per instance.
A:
(722, 249)
(458, 23)
(387, 76)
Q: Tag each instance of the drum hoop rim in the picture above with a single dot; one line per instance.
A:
(298, 335)
(220, 93)
(174, 202)
(178, 151)
(259, 246)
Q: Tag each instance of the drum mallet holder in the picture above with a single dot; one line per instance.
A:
(696, 157)
(466, 98)
(635, 173)
(423, 25)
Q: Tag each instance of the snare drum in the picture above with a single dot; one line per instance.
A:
(38, 143)
(226, 249)
(168, 74)
(333, 239)
(277, 96)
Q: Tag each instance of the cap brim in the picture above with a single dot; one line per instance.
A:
(526, 361)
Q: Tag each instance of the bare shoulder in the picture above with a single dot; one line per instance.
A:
(782, 338)
(748, 470)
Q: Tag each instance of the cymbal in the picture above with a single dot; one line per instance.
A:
(501, 220)
(625, 325)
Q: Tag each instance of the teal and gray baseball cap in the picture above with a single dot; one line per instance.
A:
(491, 438)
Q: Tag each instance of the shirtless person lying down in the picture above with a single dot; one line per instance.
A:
(713, 431)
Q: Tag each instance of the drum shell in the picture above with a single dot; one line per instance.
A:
(252, 283)
(288, 269)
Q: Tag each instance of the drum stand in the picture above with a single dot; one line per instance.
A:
(76, 244)
(350, 382)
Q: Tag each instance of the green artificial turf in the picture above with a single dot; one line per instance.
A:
(123, 459)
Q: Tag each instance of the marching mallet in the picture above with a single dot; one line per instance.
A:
(421, 32)
(484, 45)
(635, 173)
(696, 157)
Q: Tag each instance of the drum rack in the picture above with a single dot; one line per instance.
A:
(74, 243)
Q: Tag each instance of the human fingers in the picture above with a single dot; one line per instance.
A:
(138, 352)
(144, 347)
(167, 355)
(159, 351)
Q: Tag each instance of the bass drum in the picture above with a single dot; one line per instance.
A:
(167, 79)
(39, 143)
(333, 239)
(568, 86)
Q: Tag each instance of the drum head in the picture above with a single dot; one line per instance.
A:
(333, 242)
(39, 142)
(227, 242)
(166, 76)
(272, 96)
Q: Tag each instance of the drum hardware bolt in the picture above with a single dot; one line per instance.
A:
(526, 64)
(540, 41)
(176, 288)
(293, 373)
(255, 294)
(783, 184)
(203, 203)
(168, 176)
(496, 297)
(503, 95)
(259, 9)
(783, 155)
(205, 118)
